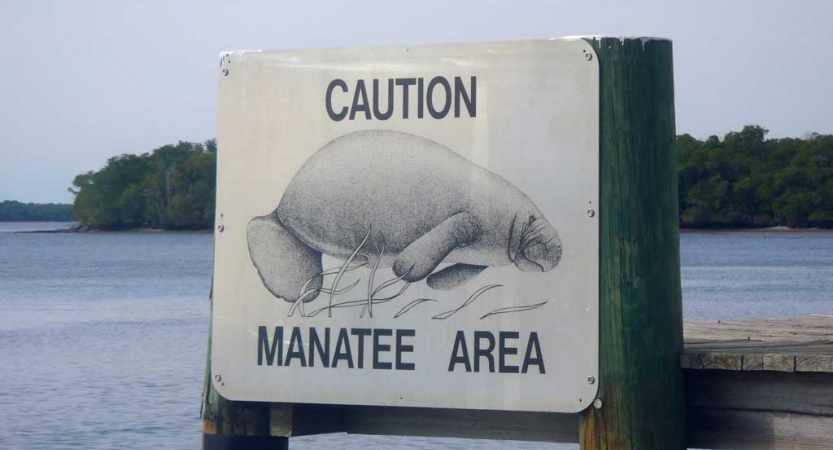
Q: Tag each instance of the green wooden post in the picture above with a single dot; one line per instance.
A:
(641, 385)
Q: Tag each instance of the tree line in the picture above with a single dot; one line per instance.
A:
(746, 180)
(743, 180)
(170, 188)
(14, 211)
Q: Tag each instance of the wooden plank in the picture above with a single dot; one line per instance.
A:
(798, 393)
(758, 430)
(778, 363)
(641, 383)
(814, 348)
(759, 410)
(280, 419)
(520, 426)
(814, 363)
(803, 344)
(751, 363)
(717, 361)
(318, 419)
(800, 329)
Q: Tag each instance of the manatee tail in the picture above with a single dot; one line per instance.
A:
(284, 263)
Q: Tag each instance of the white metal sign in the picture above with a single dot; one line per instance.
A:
(409, 226)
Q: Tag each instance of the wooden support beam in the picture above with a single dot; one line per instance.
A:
(641, 340)
(759, 410)
(758, 430)
(519, 426)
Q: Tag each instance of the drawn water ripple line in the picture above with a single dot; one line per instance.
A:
(511, 309)
(469, 301)
(409, 306)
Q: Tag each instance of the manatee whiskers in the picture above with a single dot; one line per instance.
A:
(538, 247)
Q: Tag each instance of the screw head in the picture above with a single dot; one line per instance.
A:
(591, 380)
(591, 212)
(217, 377)
(225, 72)
(588, 56)
(220, 228)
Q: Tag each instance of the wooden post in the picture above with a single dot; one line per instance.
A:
(641, 385)
(229, 425)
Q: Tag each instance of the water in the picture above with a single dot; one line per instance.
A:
(102, 336)
(102, 339)
(741, 275)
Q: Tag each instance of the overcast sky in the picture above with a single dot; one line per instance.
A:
(81, 81)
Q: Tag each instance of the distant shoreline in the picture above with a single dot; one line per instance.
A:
(87, 229)
(777, 229)
(36, 221)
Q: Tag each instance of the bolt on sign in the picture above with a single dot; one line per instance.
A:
(409, 226)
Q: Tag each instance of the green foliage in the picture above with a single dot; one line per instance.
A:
(169, 188)
(28, 212)
(746, 180)
(743, 180)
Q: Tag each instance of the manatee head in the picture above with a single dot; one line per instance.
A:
(534, 245)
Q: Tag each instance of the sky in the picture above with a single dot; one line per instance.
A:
(81, 81)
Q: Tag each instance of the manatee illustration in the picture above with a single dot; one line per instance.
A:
(413, 202)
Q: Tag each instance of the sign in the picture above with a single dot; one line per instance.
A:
(409, 226)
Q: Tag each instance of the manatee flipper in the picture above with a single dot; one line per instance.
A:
(283, 262)
(453, 276)
(422, 256)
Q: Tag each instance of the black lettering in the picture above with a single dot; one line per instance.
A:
(328, 100)
(420, 97)
(342, 351)
(361, 333)
(406, 83)
(264, 349)
(503, 350)
(401, 348)
(315, 344)
(459, 345)
(430, 97)
(360, 95)
(486, 352)
(379, 114)
(378, 348)
(296, 348)
(460, 93)
(528, 359)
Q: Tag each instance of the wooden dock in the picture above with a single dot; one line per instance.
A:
(756, 385)
(762, 384)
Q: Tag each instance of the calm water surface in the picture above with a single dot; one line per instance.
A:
(102, 336)
(758, 274)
